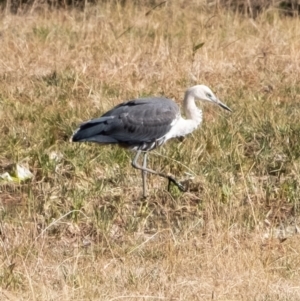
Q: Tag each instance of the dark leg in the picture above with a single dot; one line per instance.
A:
(144, 175)
(144, 169)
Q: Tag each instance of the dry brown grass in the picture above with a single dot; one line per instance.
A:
(79, 230)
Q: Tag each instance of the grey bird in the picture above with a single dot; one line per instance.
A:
(145, 123)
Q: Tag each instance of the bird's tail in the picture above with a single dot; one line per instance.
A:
(93, 131)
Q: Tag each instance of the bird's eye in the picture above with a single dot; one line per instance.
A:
(208, 95)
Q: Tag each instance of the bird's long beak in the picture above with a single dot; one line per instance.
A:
(222, 105)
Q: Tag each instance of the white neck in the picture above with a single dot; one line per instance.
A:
(194, 118)
(191, 111)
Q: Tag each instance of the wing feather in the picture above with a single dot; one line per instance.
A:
(132, 123)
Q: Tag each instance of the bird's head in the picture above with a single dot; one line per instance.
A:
(202, 92)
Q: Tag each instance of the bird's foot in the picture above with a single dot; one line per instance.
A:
(179, 185)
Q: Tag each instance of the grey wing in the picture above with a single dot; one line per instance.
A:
(134, 123)
(94, 130)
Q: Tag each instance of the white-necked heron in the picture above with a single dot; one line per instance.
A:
(145, 123)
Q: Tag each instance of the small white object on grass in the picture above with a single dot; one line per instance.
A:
(18, 173)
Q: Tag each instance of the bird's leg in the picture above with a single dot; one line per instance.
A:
(144, 175)
(144, 169)
(136, 165)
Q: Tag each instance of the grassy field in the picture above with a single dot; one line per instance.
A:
(79, 229)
